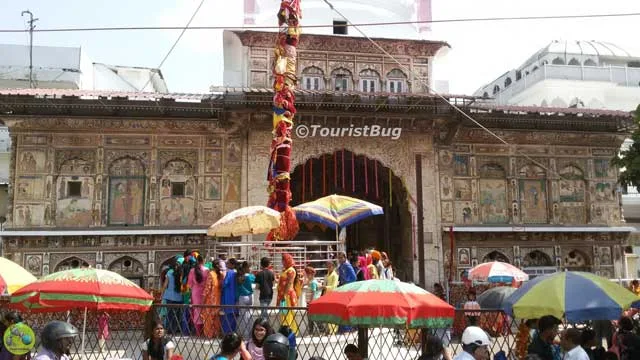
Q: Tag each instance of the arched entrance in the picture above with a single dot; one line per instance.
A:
(70, 263)
(130, 268)
(346, 173)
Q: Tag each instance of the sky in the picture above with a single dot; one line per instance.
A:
(481, 51)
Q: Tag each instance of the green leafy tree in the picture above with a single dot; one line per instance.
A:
(629, 159)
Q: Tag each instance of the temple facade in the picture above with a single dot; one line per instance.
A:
(124, 181)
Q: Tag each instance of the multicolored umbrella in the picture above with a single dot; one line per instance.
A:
(496, 271)
(87, 288)
(382, 303)
(13, 276)
(575, 296)
(336, 210)
(245, 221)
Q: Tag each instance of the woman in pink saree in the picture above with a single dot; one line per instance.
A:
(196, 282)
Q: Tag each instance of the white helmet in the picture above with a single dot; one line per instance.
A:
(474, 335)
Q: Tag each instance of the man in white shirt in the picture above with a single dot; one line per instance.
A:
(570, 343)
(475, 344)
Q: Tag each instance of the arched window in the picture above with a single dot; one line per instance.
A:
(507, 82)
(496, 256)
(369, 81)
(518, 75)
(557, 61)
(535, 68)
(313, 78)
(396, 81)
(536, 258)
(574, 62)
(590, 62)
(496, 89)
(70, 263)
(127, 267)
(485, 95)
(341, 79)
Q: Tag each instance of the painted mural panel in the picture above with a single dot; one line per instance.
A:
(26, 215)
(572, 190)
(31, 161)
(210, 212)
(573, 214)
(213, 161)
(233, 152)
(464, 212)
(446, 187)
(461, 165)
(533, 201)
(493, 201)
(177, 211)
(447, 212)
(30, 188)
(604, 191)
(213, 188)
(603, 169)
(126, 200)
(74, 209)
(232, 185)
(462, 190)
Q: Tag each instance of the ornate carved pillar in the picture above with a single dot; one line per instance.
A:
(12, 179)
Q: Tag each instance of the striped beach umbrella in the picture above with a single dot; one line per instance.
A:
(13, 276)
(574, 296)
(497, 271)
(336, 210)
(388, 303)
(87, 288)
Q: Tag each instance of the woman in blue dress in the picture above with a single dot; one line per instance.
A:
(229, 297)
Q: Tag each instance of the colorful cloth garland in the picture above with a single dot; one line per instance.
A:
(284, 110)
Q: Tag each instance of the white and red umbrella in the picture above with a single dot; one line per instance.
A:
(497, 271)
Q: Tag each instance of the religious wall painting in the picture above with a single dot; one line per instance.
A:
(604, 191)
(464, 257)
(232, 185)
(576, 260)
(76, 166)
(446, 187)
(533, 201)
(126, 200)
(74, 203)
(213, 161)
(461, 165)
(177, 167)
(213, 188)
(31, 161)
(572, 190)
(572, 214)
(602, 169)
(462, 190)
(30, 188)
(213, 141)
(446, 214)
(177, 211)
(492, 170)
(464, 212)
(445, 159)
(233, 152)
(27, 215)
(33, 263)
(605, 255)
(493, 201)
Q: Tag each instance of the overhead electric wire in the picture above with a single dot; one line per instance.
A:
(421, 79)
(184, 29)
(147, 28)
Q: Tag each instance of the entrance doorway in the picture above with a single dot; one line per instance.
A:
(355, 175)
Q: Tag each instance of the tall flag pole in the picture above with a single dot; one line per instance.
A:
(285, 81)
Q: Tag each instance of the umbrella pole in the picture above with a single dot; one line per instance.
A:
(84, 330)
(363, 341)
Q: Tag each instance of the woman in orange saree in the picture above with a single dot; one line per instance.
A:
(287, 296)
(212, 294)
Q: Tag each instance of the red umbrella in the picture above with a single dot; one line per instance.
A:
(87, 288)
(382, 303)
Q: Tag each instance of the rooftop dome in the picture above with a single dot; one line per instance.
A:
(581, 47)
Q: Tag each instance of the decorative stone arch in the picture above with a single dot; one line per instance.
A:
(492, 170)
(507, 82)
(590, 62)
(127, 166)
(574, 62)
(576, 259)
(312, 78)
(496, 89)
(557, 61)
(496, 255)
(72, 262)
(396, 73)
(342, 73)
(312, 70)
(573, 171)
(172, 166)
(128, 267)
(537, 258)
(485, 95)
(532, 171)
(69, 166)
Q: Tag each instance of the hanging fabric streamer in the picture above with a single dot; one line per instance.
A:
(311, 178)
(366, 177)
(324, 172)
(304, 181)
(353, 173)
(390, 189)
(284, 110)
(375, 171)
(344, 186)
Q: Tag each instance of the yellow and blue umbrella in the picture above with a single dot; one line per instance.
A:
(574, 296)
(336, 210)
(13, 276)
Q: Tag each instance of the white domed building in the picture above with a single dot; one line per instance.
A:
(589, 74)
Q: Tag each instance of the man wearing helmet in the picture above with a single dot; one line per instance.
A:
(276, 347)
(57, 338)
(475, 344)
